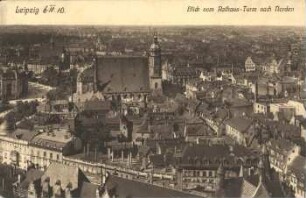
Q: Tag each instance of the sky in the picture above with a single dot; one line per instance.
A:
(151, 12)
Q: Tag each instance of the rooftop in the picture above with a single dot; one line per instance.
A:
(130, 188)
(241, 124)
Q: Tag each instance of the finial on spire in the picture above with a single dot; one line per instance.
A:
(155, 38)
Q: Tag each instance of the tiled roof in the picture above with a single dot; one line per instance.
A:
(261, 191)
(23, 134)
(123, 74)
(185, 71)
(198, 130)
(298, 167)
(88, 190)
(282, 145)
(238, 187)
(130, 188)
(240, 123)
(87, 76)
(214, 152)
(31, 176)
(66, 174)
(97, 105)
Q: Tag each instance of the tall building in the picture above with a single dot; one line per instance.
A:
(155, 68)
(13, 83)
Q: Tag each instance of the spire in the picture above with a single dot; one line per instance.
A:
(94, 65)
(155, 38)
(155, 47)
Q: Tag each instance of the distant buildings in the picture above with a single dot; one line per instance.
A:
(181, 75)
(132, 129)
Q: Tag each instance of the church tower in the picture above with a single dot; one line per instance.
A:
(155, 68)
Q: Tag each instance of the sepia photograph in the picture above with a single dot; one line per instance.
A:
(183, 109)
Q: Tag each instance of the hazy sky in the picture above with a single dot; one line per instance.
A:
(154, 12)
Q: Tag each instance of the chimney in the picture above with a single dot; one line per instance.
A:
(241, 172)
(98, 193)
(268, 91)
(231, 150)
(19, 179)
(256, 91)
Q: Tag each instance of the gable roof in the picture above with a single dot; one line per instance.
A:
(261, 191)
(66, 174)
(31, 176)
(240, 123)
(239, 187)
(130, 188)
(123, 74)
(298, 167)
(88, 190)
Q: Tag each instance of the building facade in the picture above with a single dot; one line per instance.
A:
(13, 83)
(249, 65)
(24, 148)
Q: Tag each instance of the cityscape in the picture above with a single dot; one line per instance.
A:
(152, 111)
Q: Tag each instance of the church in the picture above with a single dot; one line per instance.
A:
(122, 78)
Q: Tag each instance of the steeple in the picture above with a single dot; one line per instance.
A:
(94, 65)
(155, 67)
(155, 47)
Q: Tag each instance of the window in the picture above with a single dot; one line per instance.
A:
(45, 154)
(156, 85)
(57, 156)
(51, 155)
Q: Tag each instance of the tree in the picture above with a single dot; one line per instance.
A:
(50, 76)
